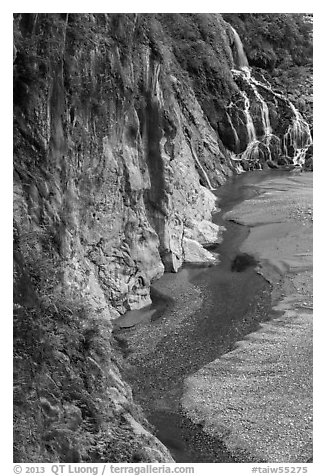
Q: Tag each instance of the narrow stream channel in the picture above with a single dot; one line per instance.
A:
(197, 315)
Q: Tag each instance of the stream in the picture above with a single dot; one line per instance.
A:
(197, 315)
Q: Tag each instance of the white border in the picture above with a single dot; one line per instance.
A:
(319, 187)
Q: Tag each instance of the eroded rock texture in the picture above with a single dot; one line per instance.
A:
(114, 159)
(113, 153)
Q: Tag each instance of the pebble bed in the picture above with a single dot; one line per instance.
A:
(258, 397)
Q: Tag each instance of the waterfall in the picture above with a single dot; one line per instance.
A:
(238, 167)
(264, 108)
(249, 122)
(295, 141)
(298, 137)
(239, 56)
(245, 73)
(252, 152)
(250, 155)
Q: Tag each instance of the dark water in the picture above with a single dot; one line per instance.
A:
(235, 299)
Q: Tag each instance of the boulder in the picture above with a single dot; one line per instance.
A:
(204, 232)
(195, 253)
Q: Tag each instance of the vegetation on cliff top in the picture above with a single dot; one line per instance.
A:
(274, 40)
(194, 45)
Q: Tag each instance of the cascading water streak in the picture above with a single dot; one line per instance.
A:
(297, 137)
(292, 145)
(264, 107)
(235, 134)
(249, 122)
(245, 73)
(239, 55)
(210, 187)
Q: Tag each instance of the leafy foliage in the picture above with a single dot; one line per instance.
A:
(274, 39)
(200, 45)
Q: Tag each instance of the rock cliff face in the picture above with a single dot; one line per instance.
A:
(116, 155)
(121, 131)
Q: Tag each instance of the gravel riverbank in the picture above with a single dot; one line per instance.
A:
(204, 313)
(258, 397)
